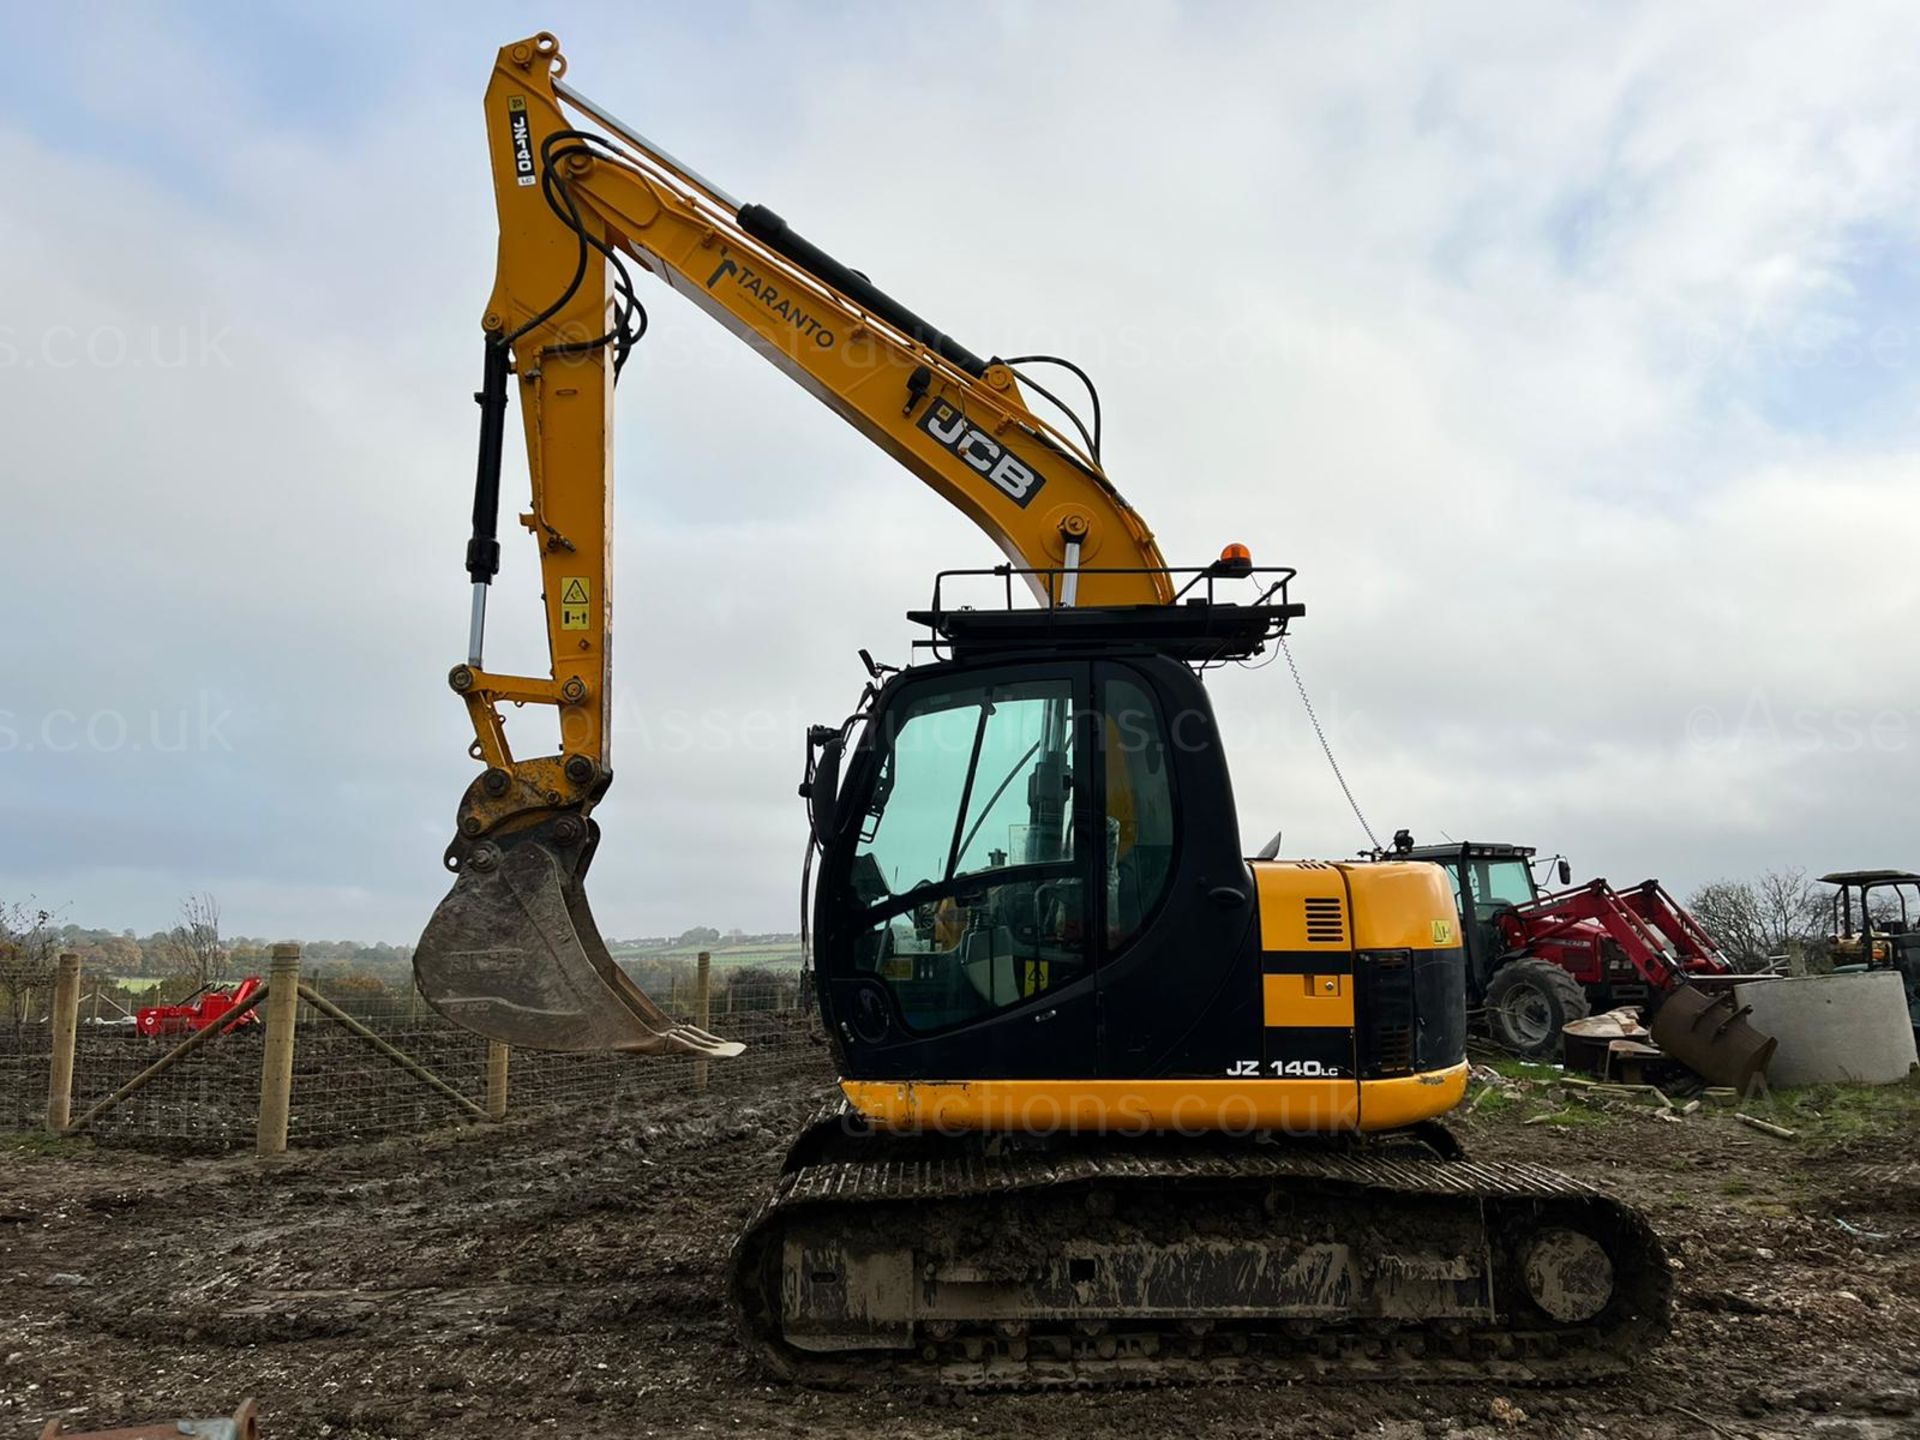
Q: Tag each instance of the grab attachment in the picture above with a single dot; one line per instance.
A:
(513, 953)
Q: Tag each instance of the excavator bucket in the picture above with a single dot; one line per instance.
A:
(513, 953)
(1710, 1034)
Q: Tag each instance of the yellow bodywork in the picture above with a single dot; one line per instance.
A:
(1319, 917)
(1301, 1107)
(1308, 1000)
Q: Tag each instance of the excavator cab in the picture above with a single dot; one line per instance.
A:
(1031, 869)
(1013, 827)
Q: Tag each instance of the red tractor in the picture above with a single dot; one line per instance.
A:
(1537, 959)
(206, 1006)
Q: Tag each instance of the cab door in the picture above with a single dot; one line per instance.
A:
(955, 914)
(1178, 961)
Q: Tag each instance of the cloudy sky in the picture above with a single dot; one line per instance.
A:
(1572, 353)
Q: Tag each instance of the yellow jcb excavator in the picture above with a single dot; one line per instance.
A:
(1118, 1104)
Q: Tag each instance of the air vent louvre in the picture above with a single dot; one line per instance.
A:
(1326, 920)
(1395, 1049)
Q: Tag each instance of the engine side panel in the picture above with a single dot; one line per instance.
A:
(1347, 1012)
(1362, 970)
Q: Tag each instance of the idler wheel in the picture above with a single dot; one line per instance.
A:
(1568, 1275)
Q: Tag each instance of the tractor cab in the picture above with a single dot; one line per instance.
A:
(1537, 960)
(1487, 879)
(1876, 924)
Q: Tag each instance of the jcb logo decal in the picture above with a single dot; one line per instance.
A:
(945, 423)
(521, 128)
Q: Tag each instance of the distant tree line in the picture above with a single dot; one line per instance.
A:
(128, 969)
(29, 950)
(1754, 920)
(187, 957)
(703, 937)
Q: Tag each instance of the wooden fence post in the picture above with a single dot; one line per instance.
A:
(702, 1010)
(65, 1021)
(276, 1063)
(1796, 957)
(498, 1057)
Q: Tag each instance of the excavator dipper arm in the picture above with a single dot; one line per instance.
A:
(513, 951)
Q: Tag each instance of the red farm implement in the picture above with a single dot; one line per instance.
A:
(1633, 942)
(204, 1007)
(1538, 959)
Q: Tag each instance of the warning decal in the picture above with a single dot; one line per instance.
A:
(575, 595)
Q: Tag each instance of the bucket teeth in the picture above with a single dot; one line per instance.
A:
(513, 953)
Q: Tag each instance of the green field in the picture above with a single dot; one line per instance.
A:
(785, 954)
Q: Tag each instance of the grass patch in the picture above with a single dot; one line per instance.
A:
(38, 1142)
(1845, 1112)
(1517, 1069)
(1575, 1116)
(1488, 1102)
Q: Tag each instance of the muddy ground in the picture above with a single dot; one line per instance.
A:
(535, 1278)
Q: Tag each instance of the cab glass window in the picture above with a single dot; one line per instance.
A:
(1139, 818)
(967, 863)
(1499, 882)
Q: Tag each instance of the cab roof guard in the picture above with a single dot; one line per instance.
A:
(1198, 627)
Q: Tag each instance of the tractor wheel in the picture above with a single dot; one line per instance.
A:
(1529, 1002)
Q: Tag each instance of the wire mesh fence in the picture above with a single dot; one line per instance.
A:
(345, 1089)
(26, 1050)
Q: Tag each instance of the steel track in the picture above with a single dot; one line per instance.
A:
(877, 1182)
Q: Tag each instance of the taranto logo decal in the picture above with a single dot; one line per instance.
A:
(520, 126)
(805, 326)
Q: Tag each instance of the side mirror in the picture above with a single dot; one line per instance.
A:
(820, 787)
(1566, 871)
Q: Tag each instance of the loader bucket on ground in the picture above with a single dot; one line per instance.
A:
(1710, 1034)
(513, 953)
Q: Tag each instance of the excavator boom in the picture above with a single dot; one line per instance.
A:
(513, 951)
